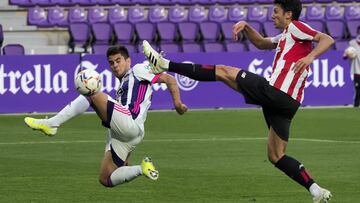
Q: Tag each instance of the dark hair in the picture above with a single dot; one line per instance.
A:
(291, 5)
(118, 50)
(358, 29)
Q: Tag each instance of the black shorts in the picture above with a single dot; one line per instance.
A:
(278, 107)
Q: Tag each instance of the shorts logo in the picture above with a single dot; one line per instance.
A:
(185, 83)
(243, 74)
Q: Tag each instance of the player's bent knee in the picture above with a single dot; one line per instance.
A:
(274, 157)
(224, 72)
(105, 181)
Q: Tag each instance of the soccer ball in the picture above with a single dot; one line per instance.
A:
(88, 82)
(350, 52)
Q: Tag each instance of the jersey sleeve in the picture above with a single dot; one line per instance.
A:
(302, 31)
(276, 39)
(142, 71)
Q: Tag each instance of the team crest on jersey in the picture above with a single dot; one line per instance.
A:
(185, 83)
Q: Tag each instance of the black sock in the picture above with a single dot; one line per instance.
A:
(195, 71)
(295, 170)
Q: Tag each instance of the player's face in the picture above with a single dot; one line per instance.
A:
(280, 17)
(119, 65)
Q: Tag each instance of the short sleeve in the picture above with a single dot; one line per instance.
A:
(276, 39)
(142, 71)
(301, 30)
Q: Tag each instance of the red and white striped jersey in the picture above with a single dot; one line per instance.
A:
(293, 44)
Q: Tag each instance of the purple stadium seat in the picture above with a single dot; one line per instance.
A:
(130, 47)
(117, 14)
(302, 16)
(245, 1)
(178, 14)
(197, 14)
(352, 26)
(158, 14)
(144, 2)
(101, 2)
(99, 49)
(185, 2)
(336, 29)
(217, 14)
(323, 1)
(83, 2)
(189, 31)
(204, 2)
(145, 31)
(210, 31)
(334, 12)
(124, 32)
(41, 2)
(270, 29)
(341, 45)
(257, 26)
(235, 47)
(97, 15)
(170, 48)
(164, 2)
(226, 28)
(265, 1)
(269, 12)
(167, 31)
(80, 34)
(77, 14)
(257, 13)
(102, 33)
(58, 17)
(315, 12)
(137, 14)
(191, 48)
(13, 49)
(38, 16)
(214, 47)
(352, 12)
(62, 2)
(1, 36)
(123, 2)
(23, 3)
(225, 2)
(237, 13)
(344, 1)
(317, 25)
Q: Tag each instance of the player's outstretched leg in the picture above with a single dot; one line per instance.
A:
(41, 125)
(148, 169)
(158, 64)
(323, 196)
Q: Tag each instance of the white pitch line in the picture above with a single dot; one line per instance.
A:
(182, 140)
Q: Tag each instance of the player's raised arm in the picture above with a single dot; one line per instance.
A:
(173, 88)
(254, 36)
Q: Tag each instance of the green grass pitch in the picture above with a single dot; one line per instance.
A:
(203, 156)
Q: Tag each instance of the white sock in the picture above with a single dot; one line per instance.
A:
(315, 189)
(165, 64)
(74, 108)
(125, 174)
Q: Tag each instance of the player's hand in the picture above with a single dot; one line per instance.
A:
(180, 108)
(238, 27)
(302, 63)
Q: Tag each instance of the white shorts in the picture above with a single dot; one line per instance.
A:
(124, 133)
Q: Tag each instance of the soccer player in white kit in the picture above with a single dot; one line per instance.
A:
(124, 117)
(279, 97)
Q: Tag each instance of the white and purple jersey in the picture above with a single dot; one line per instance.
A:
(135, 91)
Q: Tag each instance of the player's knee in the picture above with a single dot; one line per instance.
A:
(274, 157)
(225, 72)
(105, 181)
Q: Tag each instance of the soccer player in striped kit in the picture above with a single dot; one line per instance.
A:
(280, 97)
(124, 117)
